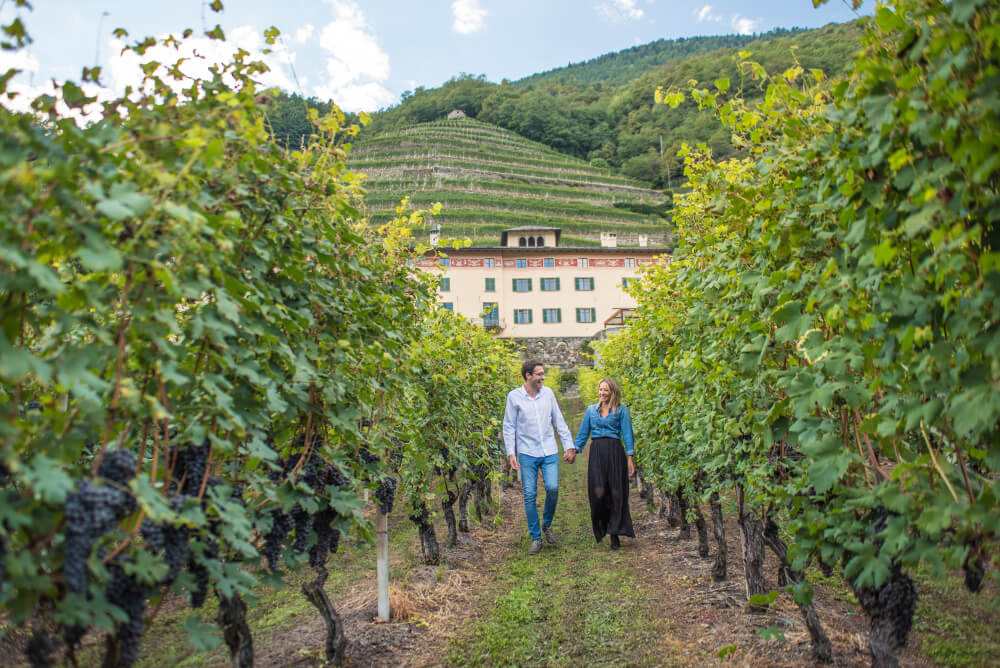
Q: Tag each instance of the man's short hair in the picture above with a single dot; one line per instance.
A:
(529, 367)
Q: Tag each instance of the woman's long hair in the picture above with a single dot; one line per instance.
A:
(616, 394)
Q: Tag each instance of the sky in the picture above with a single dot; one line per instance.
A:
(363, 54)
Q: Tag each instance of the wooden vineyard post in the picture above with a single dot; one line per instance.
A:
(382, 562)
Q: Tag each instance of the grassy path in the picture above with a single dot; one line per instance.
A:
(575, 604)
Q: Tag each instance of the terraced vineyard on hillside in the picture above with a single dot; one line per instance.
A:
(489, 179)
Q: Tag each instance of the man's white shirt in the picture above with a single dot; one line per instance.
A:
(527, 424)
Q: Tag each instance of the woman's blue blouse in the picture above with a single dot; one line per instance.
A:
(617, 424)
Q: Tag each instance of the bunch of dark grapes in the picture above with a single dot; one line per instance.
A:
(117, 466)
(336, 477)
(386, 495)
(975, 572)
(152, 534)
(126, 592)
(200, 573)
(191, 461)
(91, 512)
(303, 528)
(327, 538)
(281, 525)
(172, 539)
(367, 457)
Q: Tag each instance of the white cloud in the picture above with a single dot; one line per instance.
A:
(744, 26)
(705, 14)
(620, 10)
(469, 16)
(304, 34)
(358, 97)
(19, 94)
(19, 60)
(356, 64)
(124, 69)
(200, 54)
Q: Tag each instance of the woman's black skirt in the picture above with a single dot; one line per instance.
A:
(607, 489)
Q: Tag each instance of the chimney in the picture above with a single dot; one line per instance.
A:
(609, 240)
(435, 235)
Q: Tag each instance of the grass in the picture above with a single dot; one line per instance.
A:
(955, 627)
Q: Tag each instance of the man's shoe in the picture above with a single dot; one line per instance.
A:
(536, 547)
(615, 543)
(550, 536)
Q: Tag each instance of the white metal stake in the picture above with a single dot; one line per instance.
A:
(382, 562)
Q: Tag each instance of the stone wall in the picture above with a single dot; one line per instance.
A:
(565, 352)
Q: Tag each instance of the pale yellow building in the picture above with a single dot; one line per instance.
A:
(529, 286)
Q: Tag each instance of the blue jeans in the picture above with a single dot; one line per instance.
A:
(529, 482)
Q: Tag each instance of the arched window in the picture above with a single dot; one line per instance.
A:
(540, 242)
(531, 241)
(522, 242)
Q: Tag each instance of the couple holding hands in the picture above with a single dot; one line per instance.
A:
(530, 420)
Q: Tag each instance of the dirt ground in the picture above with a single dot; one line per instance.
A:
(700, 617)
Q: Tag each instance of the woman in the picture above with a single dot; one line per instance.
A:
(609, 426)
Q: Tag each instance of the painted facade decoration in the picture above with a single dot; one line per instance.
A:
(543, 290)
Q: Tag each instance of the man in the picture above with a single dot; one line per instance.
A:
(528, 437)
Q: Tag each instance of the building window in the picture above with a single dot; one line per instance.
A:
(491, 285)
(448, 306)
(531, 242)
(551, 315)
(583, 262)
(522, 285)
(445, 261)
(626, 281)
(522, 316)
(585, 315)
(522, 242)
(521, 263)
(584, 283)
(491, 314)
(490, 263)
(550, 284)
(540, 242)
(445, 285)
(410, 262)
(549, 262)
(630, 262)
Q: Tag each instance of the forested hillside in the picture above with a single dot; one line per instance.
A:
(618, 126)
(620, 67)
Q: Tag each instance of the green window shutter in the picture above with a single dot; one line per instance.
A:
(513, 284)
(558, 313)
(529, 285)
(529, 316)
(557, 282)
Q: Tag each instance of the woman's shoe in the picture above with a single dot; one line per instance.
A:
(615, 544)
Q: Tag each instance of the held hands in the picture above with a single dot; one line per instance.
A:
(569, 455)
